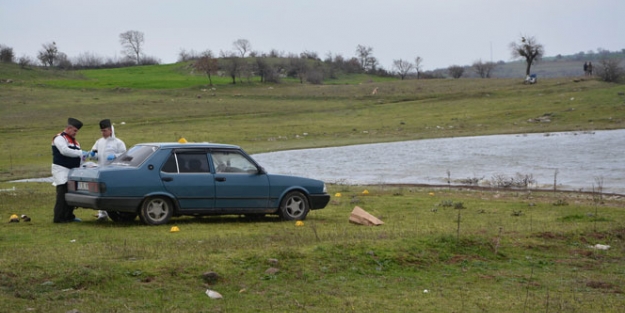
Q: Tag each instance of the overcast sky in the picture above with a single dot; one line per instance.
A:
(441, 32)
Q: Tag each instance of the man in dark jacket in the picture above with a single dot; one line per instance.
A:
(66, 154)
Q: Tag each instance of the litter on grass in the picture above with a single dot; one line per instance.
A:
(599, 247)
(213, 294)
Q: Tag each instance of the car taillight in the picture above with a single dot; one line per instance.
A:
(71, 185)
(102, 188)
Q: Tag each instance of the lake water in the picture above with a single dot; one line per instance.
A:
(578, 160)
(583, 161)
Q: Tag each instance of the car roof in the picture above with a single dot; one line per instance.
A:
(173, 145)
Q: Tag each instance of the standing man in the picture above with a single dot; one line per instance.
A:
(107, 149)
(66, 154)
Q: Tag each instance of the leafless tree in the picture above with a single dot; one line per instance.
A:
(132, 44)
(528, 49)
(610, 69)
(207, 64)
(63, 62)
(417, 65)
(264, 69)
(298, 68)
(25, 61)
(243, 46)
(88, 60)
(365, 56)
(484, 68)
(402, 67)
(456, 71)
(185, 55)
(48, 55)
(232, 64)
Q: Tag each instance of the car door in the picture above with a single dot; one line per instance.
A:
(239, 182)
(186, 174)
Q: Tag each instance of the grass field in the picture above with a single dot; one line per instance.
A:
(440, 250)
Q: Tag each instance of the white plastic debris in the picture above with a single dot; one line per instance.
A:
(425, 291)
(213, 294)
(600, 247)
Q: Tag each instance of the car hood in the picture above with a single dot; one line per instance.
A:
(313, 185)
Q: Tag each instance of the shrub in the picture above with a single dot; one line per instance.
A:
(6, 54)
(609, 70)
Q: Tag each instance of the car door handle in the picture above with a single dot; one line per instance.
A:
(220, 178)
(167, 178)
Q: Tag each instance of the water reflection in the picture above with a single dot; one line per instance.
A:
(577, 161)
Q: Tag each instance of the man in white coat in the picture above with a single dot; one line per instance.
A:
(107, 149)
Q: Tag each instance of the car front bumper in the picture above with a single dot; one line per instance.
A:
(119, 204)
(319, 201)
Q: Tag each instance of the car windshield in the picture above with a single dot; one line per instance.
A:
(135, 156)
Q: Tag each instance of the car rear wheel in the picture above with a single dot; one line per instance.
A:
(294, 206)
(122, 216)
(156, 210)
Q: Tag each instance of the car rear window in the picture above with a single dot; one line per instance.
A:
(135, 156)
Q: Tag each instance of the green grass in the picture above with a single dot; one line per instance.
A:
(491, 261)
(511, 251)
(264, 118)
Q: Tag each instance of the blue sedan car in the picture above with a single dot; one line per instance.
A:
(157, 181)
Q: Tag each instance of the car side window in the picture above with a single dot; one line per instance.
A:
(193, 163)
(232, 162)
(171, 166)
(186, 163)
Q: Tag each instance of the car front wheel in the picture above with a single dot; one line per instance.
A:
(156, 211)
(294, 206)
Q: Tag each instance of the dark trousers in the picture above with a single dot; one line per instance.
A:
(62, 212)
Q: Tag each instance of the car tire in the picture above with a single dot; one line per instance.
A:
(294, 206)
(122, 216)
(156, 210)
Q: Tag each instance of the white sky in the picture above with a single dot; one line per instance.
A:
(441, 32)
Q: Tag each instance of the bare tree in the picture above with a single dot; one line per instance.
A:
(483, 68)
(207, 64)
(528, 49)
(298, 68)
(263, 68)
(48, 55)
(365, 56)
(88, 60)
(25, 61)
(243, 46)
(417, 65)
(185, 55)
(232, 64)
(63, 62)
(456, 71)
(402, 67)
(610, 70)
(132, 43)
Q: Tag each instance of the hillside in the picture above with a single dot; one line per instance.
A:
(548, 67)
(164, 103)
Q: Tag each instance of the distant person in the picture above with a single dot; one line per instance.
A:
(589, 68)
(585, 68)
(107, 149)
(66, 154)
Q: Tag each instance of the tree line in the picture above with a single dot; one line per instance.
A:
(242, 62)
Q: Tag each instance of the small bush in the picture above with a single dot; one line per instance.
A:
(610, 70)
